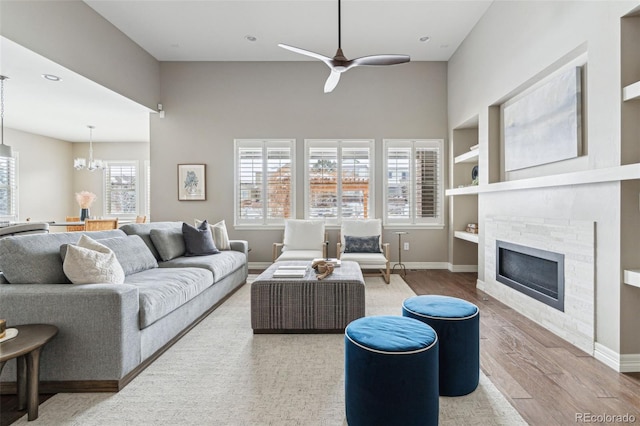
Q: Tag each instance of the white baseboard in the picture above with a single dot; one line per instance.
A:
(462, 268)
(627, 363)
(259, 265)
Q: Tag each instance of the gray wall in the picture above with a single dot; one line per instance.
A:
(208, 105)
(514, 42)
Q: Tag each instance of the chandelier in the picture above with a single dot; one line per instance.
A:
(92, 164)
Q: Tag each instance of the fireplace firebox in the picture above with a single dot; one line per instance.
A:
(534, 272)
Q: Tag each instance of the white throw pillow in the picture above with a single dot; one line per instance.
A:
(303, 235)
(220, 236)
(89, 262)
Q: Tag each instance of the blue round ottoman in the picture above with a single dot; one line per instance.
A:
(457, 323)
(391, 372)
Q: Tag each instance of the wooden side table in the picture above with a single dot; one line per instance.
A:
(26, 347)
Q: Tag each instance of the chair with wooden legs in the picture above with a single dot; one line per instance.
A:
(100, 224)
(141, 219)
(361, 241)
(74, 228)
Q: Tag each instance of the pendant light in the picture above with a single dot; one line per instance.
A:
(5, 150)
(81, 163)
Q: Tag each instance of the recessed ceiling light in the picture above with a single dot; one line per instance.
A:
(425, 39)
(51, 77)
(251, 38)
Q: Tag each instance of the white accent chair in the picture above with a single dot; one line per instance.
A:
(365, 228)
(303, 240)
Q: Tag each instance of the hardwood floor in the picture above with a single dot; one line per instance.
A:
(549, 381)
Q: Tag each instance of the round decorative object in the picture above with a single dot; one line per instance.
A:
(474, 173)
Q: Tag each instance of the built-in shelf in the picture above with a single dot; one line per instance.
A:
(609, 174)
(632, 277)
(465, 190)
(631, 92)
(467, 157)
(467, 236)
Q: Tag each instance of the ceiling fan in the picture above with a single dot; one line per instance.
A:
(339, 63)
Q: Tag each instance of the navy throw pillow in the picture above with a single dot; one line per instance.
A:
(362, 244)
(198, 241)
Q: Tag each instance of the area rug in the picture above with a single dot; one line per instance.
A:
(222, 374)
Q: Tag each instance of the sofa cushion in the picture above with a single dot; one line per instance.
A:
(35, 259)
(132, 253)
(220, 235)
(163, 290)
(221, 264)
(90, 262)
(144, 231)
(168, 242)
(198, 241)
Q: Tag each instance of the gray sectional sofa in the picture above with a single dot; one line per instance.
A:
(108, 333)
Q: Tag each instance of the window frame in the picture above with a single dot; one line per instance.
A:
(340, 144)
(264, 144)
(139, 189)
(413, 222)
(14, 188)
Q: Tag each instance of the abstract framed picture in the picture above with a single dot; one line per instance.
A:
(545, 124)
(191, 182)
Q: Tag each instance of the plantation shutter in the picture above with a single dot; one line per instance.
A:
(413, 182)
(264, 182)
(279, 189)
(427, 186)
(322, 164)
(355, 182)
(8, 187)
(398, 204)
(121, 189)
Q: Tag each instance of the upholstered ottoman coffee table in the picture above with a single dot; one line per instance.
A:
(306, 304)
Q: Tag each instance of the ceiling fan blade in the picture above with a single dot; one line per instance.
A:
(332, 81)
(379, 60)
(323, 58)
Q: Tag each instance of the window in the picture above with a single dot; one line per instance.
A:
(8, 188)
(264, 187)
(338, 179)
(121, 188)
(413, 193)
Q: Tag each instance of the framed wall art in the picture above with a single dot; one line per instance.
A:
(191, 182)
(545, 124)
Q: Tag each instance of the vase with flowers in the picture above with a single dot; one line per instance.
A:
(85, 199)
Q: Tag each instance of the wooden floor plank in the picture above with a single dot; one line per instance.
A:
(547, 379)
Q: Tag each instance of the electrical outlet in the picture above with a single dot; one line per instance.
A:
(406, 246)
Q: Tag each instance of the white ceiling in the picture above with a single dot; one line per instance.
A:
(215, 30)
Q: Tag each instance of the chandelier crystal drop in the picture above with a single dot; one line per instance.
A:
(82, 163)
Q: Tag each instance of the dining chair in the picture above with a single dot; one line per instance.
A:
(141, 219)
(74, 228)
(100, 224)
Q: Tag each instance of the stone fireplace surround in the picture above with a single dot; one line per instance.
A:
(575, 239)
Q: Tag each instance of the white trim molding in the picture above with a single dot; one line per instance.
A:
(627, 363)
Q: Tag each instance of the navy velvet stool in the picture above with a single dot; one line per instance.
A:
(457, 323)
(391, 372)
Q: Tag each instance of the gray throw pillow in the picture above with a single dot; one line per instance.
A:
(168, 242)
(362, 244)
(131, 251)
(198, 241)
